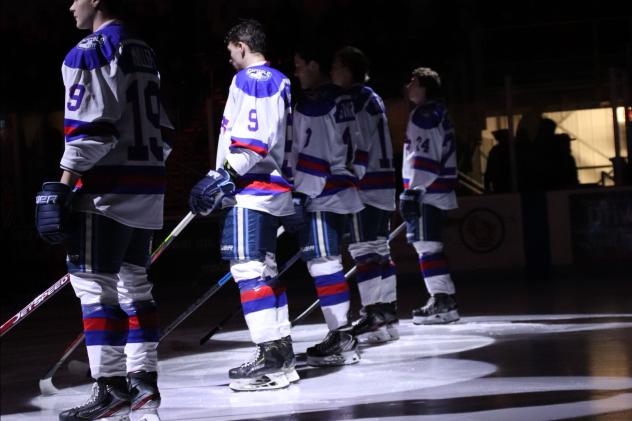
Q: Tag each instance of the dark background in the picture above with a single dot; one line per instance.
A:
(555, 52)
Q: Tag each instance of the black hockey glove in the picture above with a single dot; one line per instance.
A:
(206, 195)
(51, 211)
(298, 220)
(410, 204)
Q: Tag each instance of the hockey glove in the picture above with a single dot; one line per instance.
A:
(207, 193)
(410, 204)
(51, 211)
(298, 220)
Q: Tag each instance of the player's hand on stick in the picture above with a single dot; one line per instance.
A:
(209, 190)
(410, 204)
(51, 211)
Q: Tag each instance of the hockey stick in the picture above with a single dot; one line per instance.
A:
(63, 281)
(46, 383)
(33, 305)
(213, 331)
(349, 274)
(208, 294)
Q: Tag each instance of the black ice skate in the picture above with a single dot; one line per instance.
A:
(338, 348)
(371, 326)
(143, 389)
(389, 312)
(109, 401)
(440, 309)
(271, 367)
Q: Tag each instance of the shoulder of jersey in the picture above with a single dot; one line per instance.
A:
(261, 81)
(97, 49)
(365, 98)
(429, 116)
(319, 101)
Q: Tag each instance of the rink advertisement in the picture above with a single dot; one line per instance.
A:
(601, 225)
(485, 232)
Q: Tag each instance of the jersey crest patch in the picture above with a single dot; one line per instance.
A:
(91, 42)
(259, 74)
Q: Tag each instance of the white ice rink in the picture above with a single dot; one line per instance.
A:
(436, 372)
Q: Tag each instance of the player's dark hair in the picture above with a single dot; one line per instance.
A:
(251, 33)
(354, 59)
(310, 51)
(114, 8)
(430, 80)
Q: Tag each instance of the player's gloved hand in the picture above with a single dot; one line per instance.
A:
(51, 211)
(206, 195)
(298, 220)
(410, 204)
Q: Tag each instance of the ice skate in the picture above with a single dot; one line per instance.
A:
(109, 401)
(271, 367)
(338, 348)
(389, 312)
(440, 309)
(143, 389)
(370, 328)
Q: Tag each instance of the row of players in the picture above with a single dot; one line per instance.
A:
(320, 169)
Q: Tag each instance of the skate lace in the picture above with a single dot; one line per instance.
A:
(328, 341)
(253, 359)
(94, 394)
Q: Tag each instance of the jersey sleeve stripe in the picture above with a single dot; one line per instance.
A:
(262, 185)
(338, 183)
(312, 165)
(426, 164)
(378, 180)
(252, 144)
(442, 185)
(75, 129)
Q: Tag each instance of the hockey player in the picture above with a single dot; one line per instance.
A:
(113, 120)
(370, 227)
(327, 161)
(249, 161)
(430, 177)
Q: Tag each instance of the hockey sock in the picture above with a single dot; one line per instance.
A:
(143, 336)
(332, 289)
(434, 268)
(105, 328)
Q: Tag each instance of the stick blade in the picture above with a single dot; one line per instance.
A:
(47, 388)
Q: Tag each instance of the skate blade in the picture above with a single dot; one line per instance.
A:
(378, 336)
(270, 381)
(393, 331)
(292, 376)
(47, 388)
(344, 358)
(437, 319)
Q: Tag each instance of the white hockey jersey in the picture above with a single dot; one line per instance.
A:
(112, 123)
(429, 162)
(255, 126)
(327, 155)
(377, 187)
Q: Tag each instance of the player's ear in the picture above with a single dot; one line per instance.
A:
(95, 4)
(313, 66)
(243, 47)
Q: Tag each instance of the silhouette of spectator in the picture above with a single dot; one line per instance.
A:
(564, 169)
(546, 150)
(498, 171)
